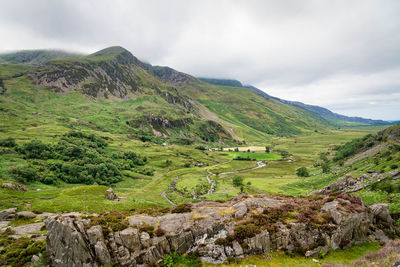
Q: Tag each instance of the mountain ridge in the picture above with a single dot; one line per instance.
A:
(181, 106)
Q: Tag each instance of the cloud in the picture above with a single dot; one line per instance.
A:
(340, 54)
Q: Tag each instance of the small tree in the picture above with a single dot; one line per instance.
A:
(284, 154)
(267, 149)
(326, 168)
(237, 181)
(302, 172)
(237, 149)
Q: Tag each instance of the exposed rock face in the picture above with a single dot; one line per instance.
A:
(215, 231)
(350, 184)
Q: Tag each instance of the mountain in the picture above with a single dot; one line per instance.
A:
(113, 91)
(225, 82)
(333, 118)
(35, 57)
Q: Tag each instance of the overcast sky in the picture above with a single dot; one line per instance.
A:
(343, 55)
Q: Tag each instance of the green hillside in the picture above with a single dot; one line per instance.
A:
(120, 94)
(35, 57)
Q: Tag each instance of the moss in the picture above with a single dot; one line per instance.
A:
(224, 241)
(148, 229)
(20, 251)
(111, 221)
(246, 230)
(182, 208)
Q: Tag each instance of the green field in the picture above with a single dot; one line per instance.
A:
(253, 156)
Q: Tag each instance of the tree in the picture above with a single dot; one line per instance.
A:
(284, 154)
(237, 181)
(302, 172)
(326, 168)
(237, 149)
(267, 149)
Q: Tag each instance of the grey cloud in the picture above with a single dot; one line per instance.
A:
(319, 52)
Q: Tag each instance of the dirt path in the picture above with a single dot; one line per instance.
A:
(164, 195)
(260, 164)
(211, 182)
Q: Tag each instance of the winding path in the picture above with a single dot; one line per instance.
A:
(260, 164)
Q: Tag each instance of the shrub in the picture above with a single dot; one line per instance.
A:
(237, 181)
(393, 166)
(224, 241)
(348, 149)
(302, 172)
(8, 142)
(24, 174)
(326, 168)
(182, 208)
(246, 230)
(35, 149)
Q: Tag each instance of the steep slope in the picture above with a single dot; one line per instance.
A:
(162, 102)
(370, 166)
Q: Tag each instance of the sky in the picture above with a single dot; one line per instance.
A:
(340, 54)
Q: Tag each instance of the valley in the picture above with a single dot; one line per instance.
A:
(73, 126)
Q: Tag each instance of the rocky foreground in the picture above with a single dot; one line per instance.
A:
(216, 231)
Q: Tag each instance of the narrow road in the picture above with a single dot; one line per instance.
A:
(172, 187)
(164, 195)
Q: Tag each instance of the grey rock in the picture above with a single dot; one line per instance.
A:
(35, 261)
(7, 214)
(72, 243)
(381, 211)
(95, 234)
(111, 195)
(28, 228)
(27, 214)
(130, 238)
(102, 253)
(237, 248)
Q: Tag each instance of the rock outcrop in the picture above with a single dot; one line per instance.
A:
(349, 184)
(215, 231)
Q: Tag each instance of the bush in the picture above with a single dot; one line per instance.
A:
(393, 166)
(9, 142)
(326, 168)
(24, 174)
(36, 150)
(237, 181)
(302, 172)
(182, 208)
(81, 158)
(348, 149)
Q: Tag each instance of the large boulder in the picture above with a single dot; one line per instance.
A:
(213, 231)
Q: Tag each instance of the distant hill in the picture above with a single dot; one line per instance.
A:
(35, 57)
(225, 82)
(335, 118)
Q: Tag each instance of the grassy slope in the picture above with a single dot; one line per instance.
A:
(254, 117)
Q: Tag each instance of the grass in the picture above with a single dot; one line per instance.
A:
(30, 113)
(255, 156)
(276, 259)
